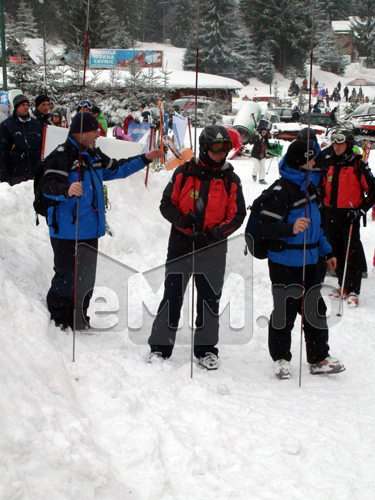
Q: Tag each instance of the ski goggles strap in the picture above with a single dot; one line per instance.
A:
(338, 138)
(218, 147)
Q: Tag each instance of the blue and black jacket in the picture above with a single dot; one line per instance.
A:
(20, 148)
(283, 208)
(61, 170)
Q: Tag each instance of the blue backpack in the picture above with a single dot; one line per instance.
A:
(258, 246)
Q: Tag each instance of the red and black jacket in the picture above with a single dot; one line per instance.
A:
(346, 180)
(214, 195)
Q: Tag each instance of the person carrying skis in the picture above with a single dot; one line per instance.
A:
(283, 220)
(348, 191)
(77, 169)
(258, 154)
(204, 203)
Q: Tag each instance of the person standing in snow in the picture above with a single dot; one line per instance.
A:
(103, 124)
(204, 203)
(60, 182)
(42, 110)
(283, 220)
(20, 144)
(348, 191)
(258, 154)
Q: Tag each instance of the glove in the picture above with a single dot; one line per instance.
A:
(199, 238)
(188, 221)
(355, 215)
(214, 234)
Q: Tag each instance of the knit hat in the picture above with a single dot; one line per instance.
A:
(41, 98)
(89, 123)
(297, 155)
(19, 99)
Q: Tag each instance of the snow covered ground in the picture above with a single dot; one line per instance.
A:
(110, 427)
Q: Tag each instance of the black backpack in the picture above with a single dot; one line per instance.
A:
(41, 203)
(257, 246)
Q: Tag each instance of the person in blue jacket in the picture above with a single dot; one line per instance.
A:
(70, 174)
(20, 144)
(283, 218)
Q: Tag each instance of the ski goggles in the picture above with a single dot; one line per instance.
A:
(338, 138)
(84, 104)
(218, 147)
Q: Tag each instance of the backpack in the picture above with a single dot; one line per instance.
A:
(258, 246)
(41, 203)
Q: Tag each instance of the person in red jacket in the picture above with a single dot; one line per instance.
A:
(204, 203)
(348, 191)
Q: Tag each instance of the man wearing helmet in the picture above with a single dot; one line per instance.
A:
(204, 203)
(348, 192)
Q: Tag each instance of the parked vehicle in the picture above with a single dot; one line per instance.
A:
(188, 103)
(285, 114)
(320, 119)
(362, 110)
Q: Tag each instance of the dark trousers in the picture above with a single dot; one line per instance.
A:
(209, 269)
(287, 303)
(60, 297)
(337, 229)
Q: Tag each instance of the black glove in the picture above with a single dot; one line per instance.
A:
(355, 215)
(188, 221)
(214, 234)
(200, 238)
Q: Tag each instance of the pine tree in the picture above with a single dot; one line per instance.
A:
(242, 44)
(105, 30)
(364, 30)
(287, 35)
(25, 22)
(182, 22)
(215, 32)
(328, 53)
(266, 68)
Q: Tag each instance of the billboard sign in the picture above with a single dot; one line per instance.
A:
(119, 58)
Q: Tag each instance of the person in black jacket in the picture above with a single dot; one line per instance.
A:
(204, 203)
(348, 191)
(258, 154)
(42, 110)
(20, 144)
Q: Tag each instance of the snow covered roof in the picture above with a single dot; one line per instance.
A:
(177, 79)
(34, 48)
(344, 26)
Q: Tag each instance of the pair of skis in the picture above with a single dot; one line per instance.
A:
(180, 156)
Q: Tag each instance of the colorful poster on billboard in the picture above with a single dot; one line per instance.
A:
(119, 58)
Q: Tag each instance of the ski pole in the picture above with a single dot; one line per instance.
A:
(345, 268)
(192, 309)
(306, 199)
(79, 180)
(149, 148)
(189, 127)
(269, 166)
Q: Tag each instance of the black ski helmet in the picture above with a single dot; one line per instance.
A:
(213, 134)
(350, 141)
(304, 133)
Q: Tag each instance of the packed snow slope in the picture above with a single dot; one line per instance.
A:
(110, 426)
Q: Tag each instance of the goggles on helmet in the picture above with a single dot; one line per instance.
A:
(84, 104)
(218, 147)
(338, 138)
